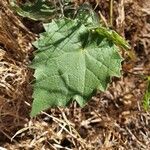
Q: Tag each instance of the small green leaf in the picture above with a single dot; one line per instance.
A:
(87, 16)
(70, 64)
(146, 101)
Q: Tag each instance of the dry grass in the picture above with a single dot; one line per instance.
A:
(113, 120)
(15, 48)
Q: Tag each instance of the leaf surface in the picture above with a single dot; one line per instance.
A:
(70, 63)
(39, 10)
(146, 101)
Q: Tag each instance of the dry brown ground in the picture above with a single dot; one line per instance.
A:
(114, 120)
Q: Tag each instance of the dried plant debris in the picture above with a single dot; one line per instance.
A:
(14, 36)
(88, 129)
(15, 50)
(14, 80)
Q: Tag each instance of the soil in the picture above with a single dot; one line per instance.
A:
(112, 120)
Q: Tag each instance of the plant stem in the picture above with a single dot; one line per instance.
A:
(111, 13)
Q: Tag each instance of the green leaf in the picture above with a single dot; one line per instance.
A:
(87, 16)
(90, 19)
(114, 37)
(146, 102)
(39, 10)
(70, 63)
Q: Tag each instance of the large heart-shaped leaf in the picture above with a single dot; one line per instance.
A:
(71, 62)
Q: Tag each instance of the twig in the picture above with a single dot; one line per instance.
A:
(111, 13)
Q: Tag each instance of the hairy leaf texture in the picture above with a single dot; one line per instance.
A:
(71, 62)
